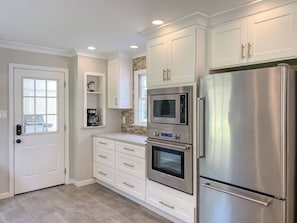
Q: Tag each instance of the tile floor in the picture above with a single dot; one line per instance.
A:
(67, 203)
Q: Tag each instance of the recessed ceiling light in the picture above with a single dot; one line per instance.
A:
(133, 46)
(91, 48)
(157, 22)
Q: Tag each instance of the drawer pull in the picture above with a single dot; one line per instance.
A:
(167, 205)
(129, 165)
(129, 185)
(104, 157)
(103, 143)
(128, 149)
(104, 174)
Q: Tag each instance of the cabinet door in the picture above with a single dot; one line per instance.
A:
(272, 34)
(113, 71)
(227, 44)
(182, 56)
(156, 62)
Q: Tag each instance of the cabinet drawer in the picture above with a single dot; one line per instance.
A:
(104, 143)
(170, 204)
(138, 151)
(131, 185)
(104, 156)
(131, 165)
(104, 173)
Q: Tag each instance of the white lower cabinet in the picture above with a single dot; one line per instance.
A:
(104, 173)
(130, 184)
(170, 204)
(122, 165)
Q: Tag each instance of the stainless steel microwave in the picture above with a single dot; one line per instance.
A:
(169, 105)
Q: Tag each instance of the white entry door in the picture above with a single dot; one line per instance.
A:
(39, 149)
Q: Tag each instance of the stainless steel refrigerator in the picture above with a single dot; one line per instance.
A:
(247, 146)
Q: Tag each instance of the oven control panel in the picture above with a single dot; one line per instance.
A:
(165, 135)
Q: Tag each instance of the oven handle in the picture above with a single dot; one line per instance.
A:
(185, 147)
(201, 128)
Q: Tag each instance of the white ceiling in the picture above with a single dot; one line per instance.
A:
(109, 25)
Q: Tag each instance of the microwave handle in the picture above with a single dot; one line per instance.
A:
(201, 126)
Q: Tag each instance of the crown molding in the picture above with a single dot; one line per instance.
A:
(195, 19)
(36, 49)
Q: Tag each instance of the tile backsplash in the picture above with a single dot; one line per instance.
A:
(128, 115)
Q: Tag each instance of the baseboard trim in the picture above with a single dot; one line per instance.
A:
(82, 183)
(4, 195)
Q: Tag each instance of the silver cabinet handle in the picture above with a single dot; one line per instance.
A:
(129, 165)
(242, 51)
(168, 74)
(207, 185)
(128, 149)
(104, 157)
(249, 50)
(102, 143)
(164, 72)
(167, 205)
(129, 185)
(104, 174)
(185, 147)
(201, 130)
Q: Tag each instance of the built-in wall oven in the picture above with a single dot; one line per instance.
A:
(169, 144)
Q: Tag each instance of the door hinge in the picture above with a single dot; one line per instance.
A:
(64, 84)
(65, 171)
(65, 128)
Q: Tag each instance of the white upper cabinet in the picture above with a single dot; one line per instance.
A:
(272, 34)
(119, 83)
(171, 58)
(263, 37)
(226, 44)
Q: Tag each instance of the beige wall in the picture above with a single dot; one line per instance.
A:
(80, 139)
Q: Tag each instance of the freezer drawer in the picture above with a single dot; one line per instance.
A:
(219, 203)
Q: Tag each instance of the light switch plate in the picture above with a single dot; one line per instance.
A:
(3, 114)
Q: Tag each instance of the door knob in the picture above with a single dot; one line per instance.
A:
(18, 141)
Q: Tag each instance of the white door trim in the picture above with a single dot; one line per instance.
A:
(13, 66)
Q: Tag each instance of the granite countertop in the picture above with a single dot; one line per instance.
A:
(125, 137)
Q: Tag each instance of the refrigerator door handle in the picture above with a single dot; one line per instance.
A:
(264, 203)
(201, 124)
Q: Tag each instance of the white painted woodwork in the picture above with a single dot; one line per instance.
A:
(171, 58)
(227, 44)
(95, 99)
(119, 83)
(39, 158)
(132, 165)
(263, 37)
(104, 143)
(104, 156)
(173, 205)
(130, 149)
(104, 173)
(273, 34)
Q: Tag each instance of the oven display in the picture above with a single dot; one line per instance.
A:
(166, 135)
(168, 161)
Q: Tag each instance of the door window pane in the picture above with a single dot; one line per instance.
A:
(28, 87)
(40, 106)
(40, 87)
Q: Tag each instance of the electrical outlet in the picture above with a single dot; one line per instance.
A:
(3, 114)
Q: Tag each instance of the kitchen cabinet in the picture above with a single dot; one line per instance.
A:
(168, 201)
(266, 36)
(104, 160)
(171, 58)
(94, 100)
(121, 165)
(130, 166)
(119, 83)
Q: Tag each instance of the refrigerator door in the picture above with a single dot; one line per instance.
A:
(242, 135)
(220, 203)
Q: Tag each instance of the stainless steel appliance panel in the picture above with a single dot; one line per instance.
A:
(225, 204)
(244, 119)
(170, 164)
